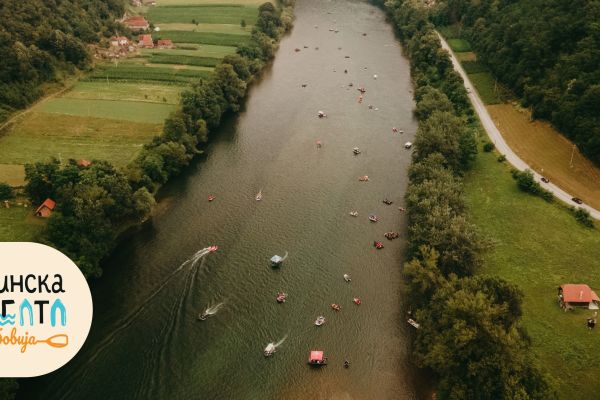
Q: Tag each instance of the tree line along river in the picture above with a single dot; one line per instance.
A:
(146, 341)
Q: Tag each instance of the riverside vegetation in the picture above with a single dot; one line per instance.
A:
(471, 334)
(97, 202)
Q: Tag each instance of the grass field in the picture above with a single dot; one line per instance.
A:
(140, 73)
(542, 147)
(203, 14)
(42, 135)
(202, 2)
(216, 28)
(219, 39)
(539, 246)
(466, 56)
(100, 90)
(17, 224)
(205, 50)
(459, 45)
(485, 84)
(188, 60)
(13, 174)
(136, 111)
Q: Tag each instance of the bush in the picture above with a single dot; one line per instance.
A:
(527, 183)
(6, 191)
(583, 216)
(488, 147)
(501, 158)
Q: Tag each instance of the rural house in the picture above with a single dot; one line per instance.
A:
(119, 41)
(580, 295)
(136, 23)
(146, 41)
(45, 210)
(165, 44)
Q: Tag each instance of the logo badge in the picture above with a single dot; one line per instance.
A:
(46, 309)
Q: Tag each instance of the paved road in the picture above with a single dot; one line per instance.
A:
(498, 140)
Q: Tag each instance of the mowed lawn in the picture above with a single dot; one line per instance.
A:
(200, 50)
(18, 224)
(542, 147)
(203, 14)
(41, 135)
(539, 246)
(142, 92)
(136, 111)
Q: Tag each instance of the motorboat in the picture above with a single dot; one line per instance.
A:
(347, 278)
(336, 307)
(276, 260)
(270, 350)
(408, 145)
(356, 150)
(373, 218)
(378, 245)
(364, 178)
(388, 202)
(357, 301)
(321, 114)
(413, 323)
(259, 195)
(391, 235)
(211, 197)
(354, 213)
(317, 358)
(400, 131)
(281, 297)
(213, 248)
(320, 320)
(202, 316)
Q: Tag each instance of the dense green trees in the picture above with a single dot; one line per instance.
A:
(547, 51)
(40, 40)
(470, 333)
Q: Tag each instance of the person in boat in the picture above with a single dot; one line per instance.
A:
(357, 301)
(386, 201)
(402, 209)
(346, 364)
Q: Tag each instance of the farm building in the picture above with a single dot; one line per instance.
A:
(577, 295)
(137, 23)
(45, 210)
(118, 41)
(146, 41)
(165, 44)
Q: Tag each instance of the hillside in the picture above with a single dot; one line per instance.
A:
(41, 40)
(546, 52)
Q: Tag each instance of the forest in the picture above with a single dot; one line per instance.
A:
(547, 52)
(44, 40)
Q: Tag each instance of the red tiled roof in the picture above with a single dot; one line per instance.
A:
(84, 163)
(48, 203)
(146, 40)
(577, 293)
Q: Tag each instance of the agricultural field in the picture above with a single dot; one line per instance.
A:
(219, 39)
(17, 224)
(539, 246)
(231, 14)
(548, 152)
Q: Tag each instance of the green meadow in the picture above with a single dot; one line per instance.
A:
(203, 13)
(219, 39)
(539, 246)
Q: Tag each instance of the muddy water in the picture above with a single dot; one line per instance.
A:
(146, 341)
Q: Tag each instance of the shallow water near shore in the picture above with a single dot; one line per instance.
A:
(146, 341)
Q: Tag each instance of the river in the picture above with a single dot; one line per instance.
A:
(146, 341)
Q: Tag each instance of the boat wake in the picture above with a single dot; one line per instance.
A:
(212, 310)
(284, 257)
(127, 321)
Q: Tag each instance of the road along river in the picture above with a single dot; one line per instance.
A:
(146, 341)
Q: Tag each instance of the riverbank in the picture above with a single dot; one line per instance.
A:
(148, 323)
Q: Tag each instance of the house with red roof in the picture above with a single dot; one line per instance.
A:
(136, 23)
(165, 44)
(45, 210)
(145, 41)
(577, 295)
